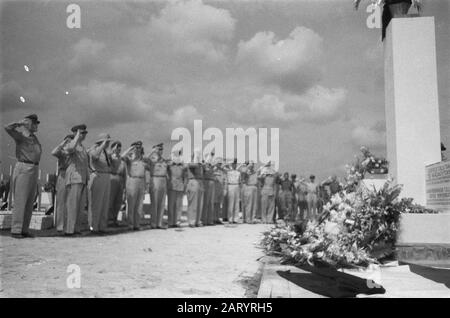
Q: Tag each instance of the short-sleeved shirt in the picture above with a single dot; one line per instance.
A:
(118, 167)
(135, 168)
(159, 168)
(251, 178)
(311, 188)
(269, 184)
(28, 148)
(177, 175)
(100, 160)
(78, 166)
(233, 177)
(286, 185)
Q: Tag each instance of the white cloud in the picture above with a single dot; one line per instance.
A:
(322, 102)
(183, 116)
(195, 28)
(370, 136)
(86, 52)
(269, 107)
(292, 63)
(108, 103)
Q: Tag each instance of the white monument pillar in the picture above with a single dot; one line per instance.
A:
(411, 102)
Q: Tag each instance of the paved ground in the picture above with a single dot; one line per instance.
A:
(217, 261)
(390, 281)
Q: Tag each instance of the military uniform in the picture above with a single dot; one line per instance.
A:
(233, 194)
(117, 180)
(61, 194)
(219, 193)
(25, 177)
(209, 195)
(99, 188)
(135, 190)
(250, 202)
(286, 198)
(177, 176)
(311, 199)
(159, 175)
(77, 175)
(194, 193)
(268, 195)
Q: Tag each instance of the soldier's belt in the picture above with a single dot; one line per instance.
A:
(29, 162)
(233, 183)
(103, 172)
(252, 185)
(159, 176)
(195, 179)
(137, 177)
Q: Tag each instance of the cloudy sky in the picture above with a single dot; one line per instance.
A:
(139, 69)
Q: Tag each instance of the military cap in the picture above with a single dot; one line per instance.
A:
(102, 137)
(79, 127)
(312, 176)
(136, 143)
(235, 160)
(116, 142)
(159, 146)
(33, 117)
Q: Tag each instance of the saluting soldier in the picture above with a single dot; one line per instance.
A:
(118, 177)
(159, 175)
(176, 185)
(135, 182)
(63, 161)
(195, 190)
(25, 175)
(233, 192)
(209, 184)
(250, 200)
(99, 184)
(77, 175)
(219, 193)
(311, 197)
(301, 191)
(269, 178)
(285, 207)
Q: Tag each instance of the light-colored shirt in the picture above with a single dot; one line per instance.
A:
(135, 168)
(118, 167)
(177, 175)
(78, 165)
(233, 177)
(100, 160)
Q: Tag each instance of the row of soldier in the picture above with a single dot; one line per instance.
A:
(96, 178)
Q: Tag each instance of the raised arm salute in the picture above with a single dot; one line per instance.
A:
(26, 170)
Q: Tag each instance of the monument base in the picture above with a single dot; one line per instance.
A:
(424, 239)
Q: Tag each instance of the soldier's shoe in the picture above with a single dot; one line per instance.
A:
(27, 234)
(17, 235)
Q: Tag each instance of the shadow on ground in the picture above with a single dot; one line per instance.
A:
(437, 275)
(331, 283)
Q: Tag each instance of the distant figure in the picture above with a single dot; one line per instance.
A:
(61, 195)
(443, 158)
(159, 171)
(118, 179)
(135, 183)
(25, 175)
(311, 197)
(233, 192)
(195, 190)
(77, 176)
(99, 184)
(285, 201)
(250, 200)
(176, 188)
(269, 178)
(219, 194)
